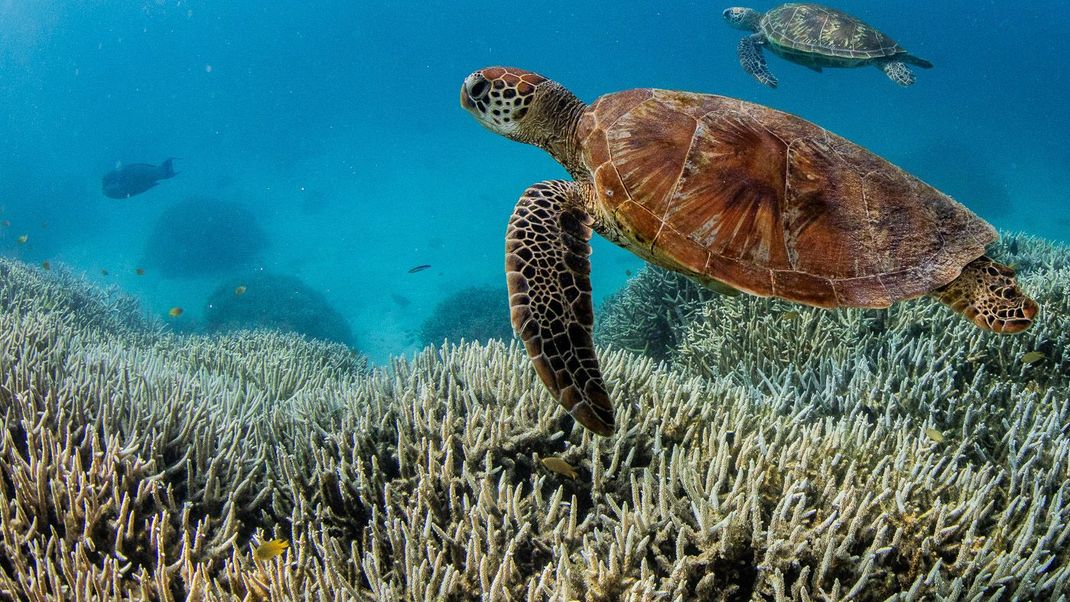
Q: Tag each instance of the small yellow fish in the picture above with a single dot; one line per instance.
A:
(934, 434)
(139, 271)
(22, 239)
(239, 291)
(47, 266)
(1033, 357)
(270, 549)
(175, 312)
(558, 465)
(790, 315)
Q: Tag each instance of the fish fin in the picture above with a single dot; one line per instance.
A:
(167, 168)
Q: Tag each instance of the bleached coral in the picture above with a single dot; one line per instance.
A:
(649, 313)
(146, 467)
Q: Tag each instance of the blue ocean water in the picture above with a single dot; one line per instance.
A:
(329, 133)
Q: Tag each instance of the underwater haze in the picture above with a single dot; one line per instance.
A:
(321, 152)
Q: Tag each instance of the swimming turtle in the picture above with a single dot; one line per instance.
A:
(817, 36)
(732, 194)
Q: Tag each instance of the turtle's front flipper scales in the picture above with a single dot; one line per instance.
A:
(752, 60)
(548, 270)
(898, 72)
(987, 293)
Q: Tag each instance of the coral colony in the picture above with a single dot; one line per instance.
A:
(781, 453)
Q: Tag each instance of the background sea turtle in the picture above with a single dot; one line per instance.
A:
(726, 192)
(817, 36)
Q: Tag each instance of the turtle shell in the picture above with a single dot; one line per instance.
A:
(768, 203)
(816, 29)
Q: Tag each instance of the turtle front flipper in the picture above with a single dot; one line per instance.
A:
(547, 250)
(753, 61)
(987, 293)
(898, 72)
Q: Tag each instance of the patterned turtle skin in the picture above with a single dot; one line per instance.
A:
(817, 36)
(730, 193)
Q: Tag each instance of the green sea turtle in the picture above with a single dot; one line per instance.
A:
(817, 36)
(730, 193)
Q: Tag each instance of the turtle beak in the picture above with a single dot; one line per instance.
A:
(466, 100)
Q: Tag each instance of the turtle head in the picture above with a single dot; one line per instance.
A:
(526, 107)
(742, 18)
(502, 98)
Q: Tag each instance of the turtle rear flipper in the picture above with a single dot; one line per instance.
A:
(752, 60)
(915, 60)
(987, 293)
(547, 250)
(898, 72)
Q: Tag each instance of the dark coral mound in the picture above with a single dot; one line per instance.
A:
(203, 236)
(478, 313)
(275, 302)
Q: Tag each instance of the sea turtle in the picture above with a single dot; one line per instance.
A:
(729, 193)
(817, 36)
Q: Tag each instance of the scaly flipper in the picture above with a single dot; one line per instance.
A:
(915, 60)
(898, 72)
(752, 60)
(987, 293)
(548, 272)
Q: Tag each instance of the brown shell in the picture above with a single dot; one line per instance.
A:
(766, 202)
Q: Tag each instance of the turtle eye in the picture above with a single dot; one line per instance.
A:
(477, 87)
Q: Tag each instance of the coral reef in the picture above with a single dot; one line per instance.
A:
(648, 314)
(823, 455)
(276, 302)
(203, 236)
(477, 313)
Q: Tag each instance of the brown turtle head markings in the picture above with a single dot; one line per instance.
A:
(501, 97)
(527, 107)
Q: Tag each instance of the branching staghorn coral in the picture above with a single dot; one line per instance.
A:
(914, 358)
(423, 480)
(649, 313)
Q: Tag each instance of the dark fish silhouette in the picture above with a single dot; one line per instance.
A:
(419, 268)
(128, 180)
